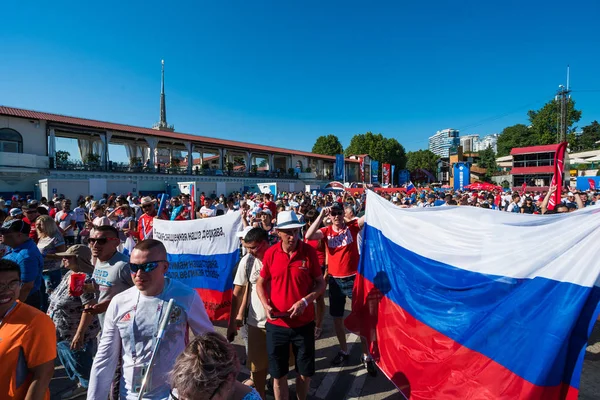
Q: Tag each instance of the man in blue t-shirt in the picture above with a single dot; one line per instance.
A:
(23, 251)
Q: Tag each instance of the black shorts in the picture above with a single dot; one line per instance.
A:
(339, 289)
(302, 340)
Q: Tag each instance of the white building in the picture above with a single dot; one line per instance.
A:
(442, 141)
(469, 143)
(488, 141)
(475, 143)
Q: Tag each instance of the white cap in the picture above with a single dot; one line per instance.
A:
(570, 194)
(242, 234)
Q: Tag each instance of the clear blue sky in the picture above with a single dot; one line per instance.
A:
(286, 72)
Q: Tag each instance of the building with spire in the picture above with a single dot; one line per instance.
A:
(162, 124)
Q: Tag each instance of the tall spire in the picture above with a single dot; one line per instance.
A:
(162, 124)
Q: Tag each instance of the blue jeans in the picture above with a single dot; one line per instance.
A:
(77, 363)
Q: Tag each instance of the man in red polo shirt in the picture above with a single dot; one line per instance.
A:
(290, 281)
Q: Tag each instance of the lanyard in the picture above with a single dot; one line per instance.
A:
(146, 234)
(8, 312)
(132, 340)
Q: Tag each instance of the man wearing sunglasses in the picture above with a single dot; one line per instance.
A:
(290, 281)
(146, 221)
(343, 256)
(111, 270)
(28, 345)
(132, 322)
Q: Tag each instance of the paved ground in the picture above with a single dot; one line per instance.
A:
(352, 382)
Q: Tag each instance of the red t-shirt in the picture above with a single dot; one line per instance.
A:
(52, 212)
(272, 207)
(342, 248)
(320, 253)
(289, 279)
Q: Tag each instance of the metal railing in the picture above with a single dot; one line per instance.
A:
(75, 165)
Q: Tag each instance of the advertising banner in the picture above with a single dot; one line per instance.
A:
(462, 175)
(374, 171)
(362, 169)
(339, 167)
(385, 174)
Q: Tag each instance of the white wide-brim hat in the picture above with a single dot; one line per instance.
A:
(288, 220)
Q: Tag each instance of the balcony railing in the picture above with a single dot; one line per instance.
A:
(23, 160)
(73, 165)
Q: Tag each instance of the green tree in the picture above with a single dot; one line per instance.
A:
(545, 121)
(329, 145)
(487, 160)
(421, 159)
(515, 136)
(384, 150)
(62, 156)
(586, 140)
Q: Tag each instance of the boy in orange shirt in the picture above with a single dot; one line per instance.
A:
(27, 342)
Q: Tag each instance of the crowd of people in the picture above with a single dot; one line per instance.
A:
(87, 286)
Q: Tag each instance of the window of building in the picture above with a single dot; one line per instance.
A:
(11, 141)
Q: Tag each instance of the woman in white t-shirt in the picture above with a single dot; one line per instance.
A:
(100, 219)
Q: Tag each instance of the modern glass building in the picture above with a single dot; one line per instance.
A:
(443, 140)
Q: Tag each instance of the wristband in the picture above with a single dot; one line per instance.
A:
(305, 302)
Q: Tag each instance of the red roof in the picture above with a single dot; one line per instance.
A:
(532, 170)
(546, 148)
(63, 119)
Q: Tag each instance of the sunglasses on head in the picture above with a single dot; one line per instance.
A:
(145, 267)
(100, 241)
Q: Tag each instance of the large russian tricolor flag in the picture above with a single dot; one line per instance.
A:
(202, 253)
(465, 303)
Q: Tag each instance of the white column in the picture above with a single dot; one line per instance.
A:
(271, 163)
(152, 143)
(52, 144)
(190, 159)
(105, 141)
(248, 161)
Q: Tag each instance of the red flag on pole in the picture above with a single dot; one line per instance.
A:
(557, 178)
(592, 184)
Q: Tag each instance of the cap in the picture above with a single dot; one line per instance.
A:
(83, 254)
(15, 225)
(242, 234)
(266, 211)
(15, 211)
(569, 194)
(337, 207)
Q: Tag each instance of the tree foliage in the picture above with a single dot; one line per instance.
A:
(543, 129)
(586, 139)
(421, 159)
(487, 160)
(385, 150)
(545, 122)
(329, 145)
(515, 136)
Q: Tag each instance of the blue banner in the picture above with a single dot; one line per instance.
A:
(374, 171)
(403, 177)
(392, 178)
(462, 175)
(339, 168)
